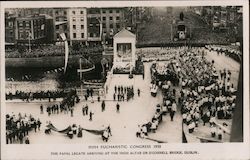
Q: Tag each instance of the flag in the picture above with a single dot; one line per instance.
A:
(66, 50)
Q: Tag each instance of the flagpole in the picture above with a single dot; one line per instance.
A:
(29, 41)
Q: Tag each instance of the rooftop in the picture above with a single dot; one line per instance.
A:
(124, 33)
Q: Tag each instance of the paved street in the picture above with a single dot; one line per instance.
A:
(124, 125)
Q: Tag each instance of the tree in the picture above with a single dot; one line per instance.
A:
(21, 50)
(76, 46)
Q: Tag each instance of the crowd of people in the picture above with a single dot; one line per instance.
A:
(164, 72)
(205, 94)
(151, 126)
(230, 51)
(122, 93)
(66, 106)
(155, 54)
(39, 95)
(19, 126)
(49, 51)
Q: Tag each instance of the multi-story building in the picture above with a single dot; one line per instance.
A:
(104, 23)
(30, 29)
(112, 22)
(10, 29)
(94, 27)
(77, 24)
(60, 17)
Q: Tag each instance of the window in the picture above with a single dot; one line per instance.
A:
(10, 24)
(27, 24)
(56, 12)
(21, 36)
(103, 25)
(57, 27)
(117, 18)
(118, 26)
(65, 27)
(74, 19)
(20, 24)
(57, 36)
(74, 26)
(110, 11)
(74, 35)
(91, 34)
(65, 13)
(81, 12)
(111, 18)
(103, 11)
(82, 19)
(104, 18)
(82, 34)
(117, 11)
(82, 26)
(73, 12)
(111, 26)
(57, 18)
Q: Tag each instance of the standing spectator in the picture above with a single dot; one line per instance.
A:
(41, 109)
(39, 124)
(115, 89)
(35, 125)
(103, 106)
(87, 109)
(173, 110)
(83, 111)
(90, 115)
(117, 108)
(138, 91)
(27, 141)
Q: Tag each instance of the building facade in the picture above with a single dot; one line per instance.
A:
(112, 20)
(30, 28)
(94, 27)
(60, 18)
(10, 29)
(77, 24)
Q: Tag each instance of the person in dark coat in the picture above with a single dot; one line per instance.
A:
(117, 108)
(119, 89)
(83, 111)
(91, 115)
(39, 124)
(88, 92)
(41, 109)
(87, 109)
(27, 141)
(20, 138)
(103, 106)
(138, 91)
(79, 134)
(35, 125)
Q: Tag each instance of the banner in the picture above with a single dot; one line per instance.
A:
(66, 50)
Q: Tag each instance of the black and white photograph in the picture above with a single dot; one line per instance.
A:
(110, 75)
